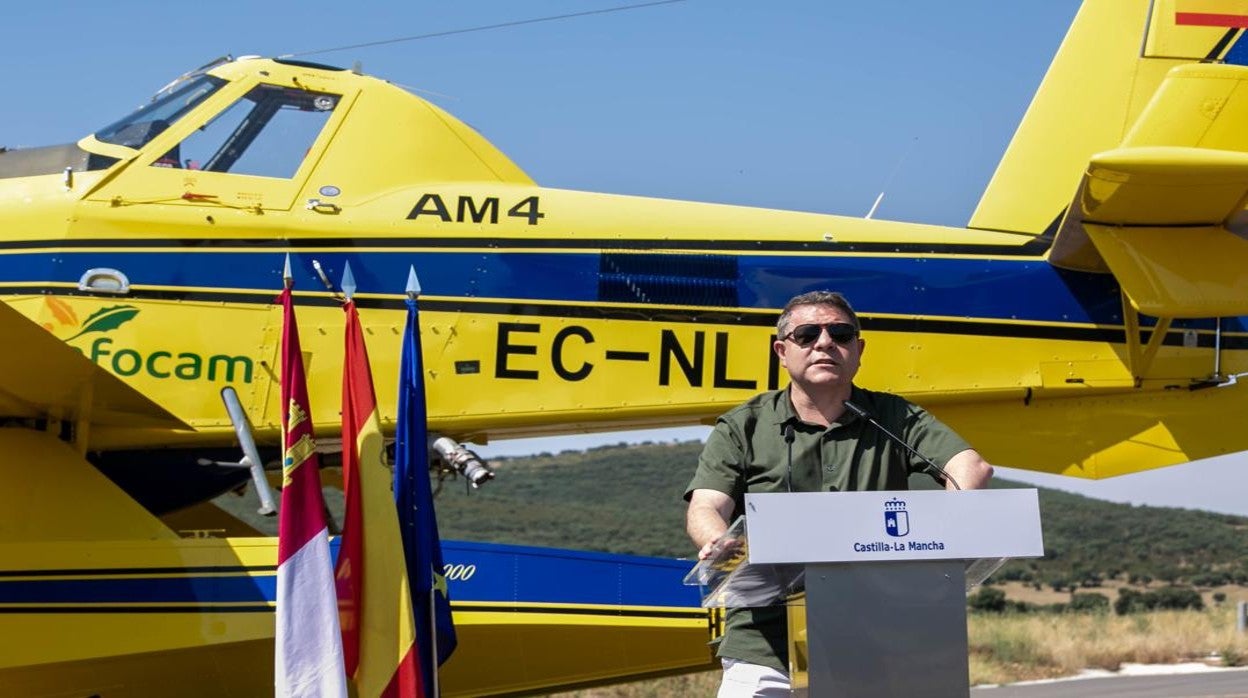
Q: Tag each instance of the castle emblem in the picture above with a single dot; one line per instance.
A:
(896, 518)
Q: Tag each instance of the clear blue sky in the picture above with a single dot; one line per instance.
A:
(807, 104)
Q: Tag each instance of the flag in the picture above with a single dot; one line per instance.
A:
(414, 497)
(374, 601)
(309, 647)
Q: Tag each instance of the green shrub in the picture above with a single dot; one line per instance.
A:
(1179, 598)
(1090, 602)
(1169, 598)
(1132, 601)
(987, 600)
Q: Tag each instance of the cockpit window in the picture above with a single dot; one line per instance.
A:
(266, 133)
(149, 120)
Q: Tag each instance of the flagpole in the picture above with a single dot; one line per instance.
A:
(433, 635)
(308, 655)
(413, 293)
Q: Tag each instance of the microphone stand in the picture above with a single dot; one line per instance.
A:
(788, 473)
(939, 471)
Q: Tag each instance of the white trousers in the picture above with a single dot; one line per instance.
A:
(745, 680)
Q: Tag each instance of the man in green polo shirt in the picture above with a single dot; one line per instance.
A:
(802, 439)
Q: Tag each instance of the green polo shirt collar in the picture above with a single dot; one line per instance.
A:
(785, 414)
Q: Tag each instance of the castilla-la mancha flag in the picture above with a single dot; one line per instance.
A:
(374, 599)
(309, 647)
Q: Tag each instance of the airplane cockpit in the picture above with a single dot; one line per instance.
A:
(253, 133)
(265, 132)
(138, 128)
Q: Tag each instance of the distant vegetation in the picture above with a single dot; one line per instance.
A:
(627, 499)
(1089, 541)
(619, 499)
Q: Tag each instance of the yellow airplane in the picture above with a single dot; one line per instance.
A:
(1089, 321)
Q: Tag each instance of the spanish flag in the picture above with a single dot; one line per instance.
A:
(308, 655)
(374, 599)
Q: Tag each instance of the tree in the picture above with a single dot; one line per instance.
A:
(1179, 598)
(1090, 602)
(1131, 601)
(987, 600)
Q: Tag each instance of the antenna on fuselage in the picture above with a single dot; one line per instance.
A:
(875, 205)
(889, 179)
(329, 285)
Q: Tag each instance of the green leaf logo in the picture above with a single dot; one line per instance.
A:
(106, 319)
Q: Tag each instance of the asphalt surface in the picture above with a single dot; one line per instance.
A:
(1222, 684)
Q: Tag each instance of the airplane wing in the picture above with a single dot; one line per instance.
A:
(42, 377)
(1165, 212)
(1164, 186)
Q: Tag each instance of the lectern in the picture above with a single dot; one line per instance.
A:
(882, 578)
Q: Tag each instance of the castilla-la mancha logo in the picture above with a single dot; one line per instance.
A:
(896, 518)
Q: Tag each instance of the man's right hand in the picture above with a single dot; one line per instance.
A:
(720, 548)
(707, 519)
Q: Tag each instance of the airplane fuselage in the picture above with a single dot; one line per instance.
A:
(577, 314)
(544, 310)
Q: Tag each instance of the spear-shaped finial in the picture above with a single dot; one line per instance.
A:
(287, 278)
(413, 283)
(348, 281)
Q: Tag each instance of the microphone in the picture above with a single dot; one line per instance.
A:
(939, 471)
(788, 473)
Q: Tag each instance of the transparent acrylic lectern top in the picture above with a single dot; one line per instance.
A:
(727, 579)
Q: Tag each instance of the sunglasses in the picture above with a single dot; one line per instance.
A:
(806, 335)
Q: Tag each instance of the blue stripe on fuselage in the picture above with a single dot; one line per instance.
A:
(1025, 289)
(481, 572)
(199, 589)
(524, 574)
(1000, 289)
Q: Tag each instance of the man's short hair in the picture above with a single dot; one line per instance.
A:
(831, 298)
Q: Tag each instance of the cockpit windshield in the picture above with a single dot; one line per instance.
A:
(169, 105)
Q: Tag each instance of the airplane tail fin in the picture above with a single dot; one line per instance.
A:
(1111, 63)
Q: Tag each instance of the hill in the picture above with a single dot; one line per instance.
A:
(627, 499)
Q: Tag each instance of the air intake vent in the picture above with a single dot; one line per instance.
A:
(668, 279)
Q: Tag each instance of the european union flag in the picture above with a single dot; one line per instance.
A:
(414, 498)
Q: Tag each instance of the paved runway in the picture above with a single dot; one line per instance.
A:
(1222, 684)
